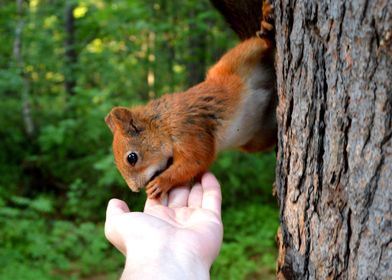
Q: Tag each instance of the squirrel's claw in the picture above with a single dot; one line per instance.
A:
(156, 188)
(153, 191)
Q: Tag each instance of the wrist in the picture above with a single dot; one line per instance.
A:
(164, 263)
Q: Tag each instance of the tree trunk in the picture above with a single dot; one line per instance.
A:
(169, 14)
(19, 63)
(334, 161)
(70, 50)
(196, 62)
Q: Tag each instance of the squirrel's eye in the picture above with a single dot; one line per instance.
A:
(132, 158)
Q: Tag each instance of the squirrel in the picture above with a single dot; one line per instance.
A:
(176, 137)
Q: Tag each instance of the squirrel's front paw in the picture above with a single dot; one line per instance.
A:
(156, 188)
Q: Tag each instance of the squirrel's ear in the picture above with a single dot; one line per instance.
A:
(119, 117)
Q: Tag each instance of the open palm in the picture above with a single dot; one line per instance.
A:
(187, 224)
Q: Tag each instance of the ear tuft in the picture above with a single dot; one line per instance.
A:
(119, 117)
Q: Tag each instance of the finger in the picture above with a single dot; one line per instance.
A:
(151, 202)
(195, 196)
(164, 199)
(116, 207)
(212, 196)
(178, 197)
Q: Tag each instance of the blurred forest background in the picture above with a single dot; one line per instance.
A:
(63, 66)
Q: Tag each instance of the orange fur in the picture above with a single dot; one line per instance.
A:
(177, 136)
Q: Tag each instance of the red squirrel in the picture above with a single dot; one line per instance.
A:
(175, 138)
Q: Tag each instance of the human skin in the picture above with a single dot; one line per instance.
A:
(177, 237)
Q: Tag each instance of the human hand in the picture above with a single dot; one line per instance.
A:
(177, 238)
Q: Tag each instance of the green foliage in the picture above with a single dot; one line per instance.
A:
(249, 242)
(246, 177)
(55, 184)
(37, 248)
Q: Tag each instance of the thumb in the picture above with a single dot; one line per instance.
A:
(114, 210)
(116, 207)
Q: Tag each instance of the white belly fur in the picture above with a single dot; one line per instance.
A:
(249, 115)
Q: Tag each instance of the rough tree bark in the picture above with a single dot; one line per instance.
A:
(334, 161)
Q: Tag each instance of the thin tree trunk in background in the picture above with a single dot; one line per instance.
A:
(147, 90)
(196, 62)
(334, 161)
(25, 90)
(171, 54)
(70, 50)
(144, 88)
(151, 65)
(169, 14)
